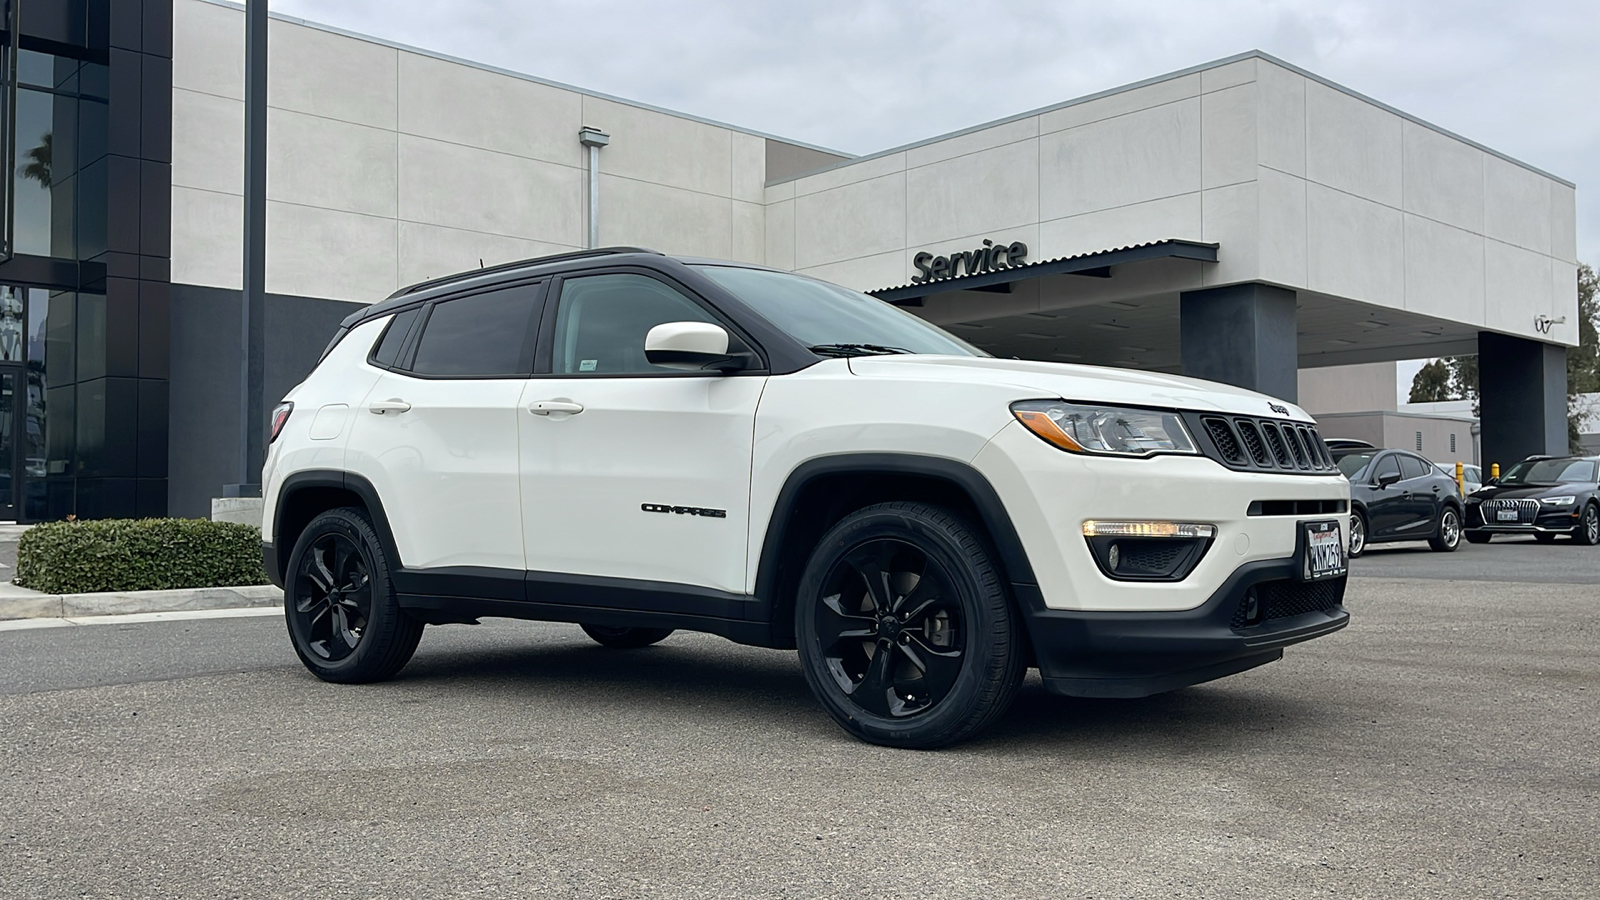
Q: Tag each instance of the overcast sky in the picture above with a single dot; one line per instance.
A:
(863, 75)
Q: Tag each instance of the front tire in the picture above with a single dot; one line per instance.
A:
(1447, 537)
(624, 638)
(1588, 530)
(905, 632)
(339, 604)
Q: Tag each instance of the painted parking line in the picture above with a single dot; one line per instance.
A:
(141, 618)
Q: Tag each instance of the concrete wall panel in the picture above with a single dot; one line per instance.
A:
(1516, 205)
(984, 191)
(974, 142)
(1516, 287)
(749, 232)
(1563, 223)
(1281, 118)
(857, 220)
(1443, 178)
(1228, 136)
(332, 254)
(1171, 217)
(211, 157)
(780, 234)
(1282, 198)
(1129, 159)
(207, 238)
(1230, 216)
(462, 187)
(863, 273)
(665, 150)
(466, 105)
(749, 161)
(208, 49)
(672, 220)
(1355, 247)
(1564, 301)
(432, 251)
(1352, 145)
(322, 162)
(1120, 103)
(866, 170)
(331, 75)
(1216, 79)
(1444, 270)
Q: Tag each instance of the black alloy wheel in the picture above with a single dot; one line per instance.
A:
(1358, 535)
(625, 638)
(905, 632)
(1588, 530)
(343, 617)
(1448, 535)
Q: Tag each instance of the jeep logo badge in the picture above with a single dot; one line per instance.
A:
(1280, 410)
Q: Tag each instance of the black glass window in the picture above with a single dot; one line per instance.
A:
(60, 113)
(1412, 467)
(394, 337)
(603, 319)
(1386, 466)
(482, 335)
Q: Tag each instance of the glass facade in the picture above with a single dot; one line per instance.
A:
(84, 272)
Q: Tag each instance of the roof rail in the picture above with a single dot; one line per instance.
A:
(519, 264)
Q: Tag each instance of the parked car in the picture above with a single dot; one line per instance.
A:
(1396, 495)
(1471, 475)
(637, 443)
(1541, 496)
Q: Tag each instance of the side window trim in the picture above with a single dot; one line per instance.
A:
(541, 295)
(544, 353)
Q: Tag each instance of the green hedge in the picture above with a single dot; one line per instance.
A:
(138, 555)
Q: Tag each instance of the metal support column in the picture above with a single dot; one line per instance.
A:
(252, 337)
(1243, 335)
(594, 139)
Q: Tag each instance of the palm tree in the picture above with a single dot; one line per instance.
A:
(38, 165)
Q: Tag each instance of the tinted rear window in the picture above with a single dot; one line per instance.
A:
(394, 336)
(483, 335)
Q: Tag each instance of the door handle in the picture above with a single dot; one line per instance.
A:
(392, 405)
(1436, 489)
(546, 407)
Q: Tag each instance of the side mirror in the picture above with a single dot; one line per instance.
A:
(1388, 478)
(692, 347)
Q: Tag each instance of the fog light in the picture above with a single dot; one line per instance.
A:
(1093, 528)
(1113, 556)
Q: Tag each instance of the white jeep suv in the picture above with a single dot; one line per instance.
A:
(638, 443)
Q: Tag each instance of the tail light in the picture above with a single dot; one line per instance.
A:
(280, 417)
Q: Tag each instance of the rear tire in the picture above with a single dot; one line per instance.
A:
(624, 638)
(1447, 537)
(904, 629)
(339, 604)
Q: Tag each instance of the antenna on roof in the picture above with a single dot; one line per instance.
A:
(480, 262)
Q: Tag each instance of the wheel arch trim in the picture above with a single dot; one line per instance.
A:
(991, 511)
(278, 555)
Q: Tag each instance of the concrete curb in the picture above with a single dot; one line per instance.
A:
(21, 603)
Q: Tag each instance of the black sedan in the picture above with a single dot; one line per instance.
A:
(1399, 496)
(1541, 496)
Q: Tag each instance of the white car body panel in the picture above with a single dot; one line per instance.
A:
(663, 441)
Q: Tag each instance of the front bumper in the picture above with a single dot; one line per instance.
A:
(1247, 622)
(1556, 520)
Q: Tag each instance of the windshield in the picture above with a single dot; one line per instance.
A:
(1550, 471)
(1351, 464)
(819, 314)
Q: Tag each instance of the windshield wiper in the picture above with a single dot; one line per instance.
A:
(855, 349)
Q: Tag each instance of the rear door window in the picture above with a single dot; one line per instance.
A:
(1412, 467)
(387, 352)
(486, 335)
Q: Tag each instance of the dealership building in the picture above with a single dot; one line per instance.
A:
(1243, 220)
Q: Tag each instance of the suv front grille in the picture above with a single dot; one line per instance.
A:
(1271, 600)
(1263, 445)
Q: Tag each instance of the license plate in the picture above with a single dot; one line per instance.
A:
(1322, 551)
(1505, 515)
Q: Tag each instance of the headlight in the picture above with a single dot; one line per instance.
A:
(1559, 501)
(1111, 430)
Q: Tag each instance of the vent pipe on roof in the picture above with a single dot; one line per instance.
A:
(594, 139)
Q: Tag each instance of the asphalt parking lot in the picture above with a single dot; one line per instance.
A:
(1445, 745)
